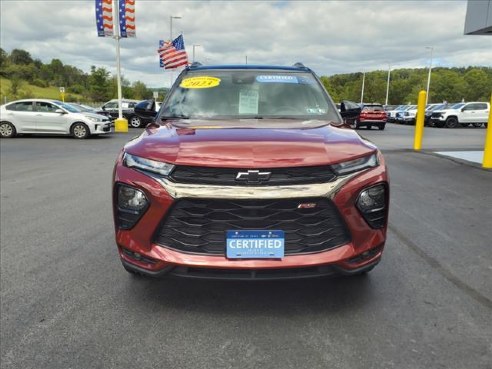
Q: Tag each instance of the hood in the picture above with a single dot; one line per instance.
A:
(94, 115)
(233, 146)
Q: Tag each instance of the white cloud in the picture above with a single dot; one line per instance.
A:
(330, 37)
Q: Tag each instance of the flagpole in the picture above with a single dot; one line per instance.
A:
(120, 124)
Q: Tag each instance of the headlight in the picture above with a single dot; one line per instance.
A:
(159, 167)
(356, 165)
(94, 119)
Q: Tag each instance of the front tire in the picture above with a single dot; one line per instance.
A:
(452, 122)
(478, 125)
(80, 131)
(7, 130)
(381, 127)
(135, 121)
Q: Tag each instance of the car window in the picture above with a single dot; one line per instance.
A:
(373, 108)
(457, 106)
(45, 107)
(20, 106)
(111, 105)
(249, 93)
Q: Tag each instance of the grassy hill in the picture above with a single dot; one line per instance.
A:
(30, 91)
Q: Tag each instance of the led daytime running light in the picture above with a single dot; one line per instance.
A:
(159, 167)
(356, 165)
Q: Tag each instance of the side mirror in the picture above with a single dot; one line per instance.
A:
(60, 111)
(146, 109)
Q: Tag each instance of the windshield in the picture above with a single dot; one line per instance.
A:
(70, 108)
(243, 94)
(457, 106)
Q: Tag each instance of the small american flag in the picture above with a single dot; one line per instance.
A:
(173, 54)
(127, 18)
(104, 18)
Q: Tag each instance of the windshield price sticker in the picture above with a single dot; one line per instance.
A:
(248, 101)
(200, 82)
(277, 79)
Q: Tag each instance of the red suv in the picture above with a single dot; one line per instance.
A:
(372, 115)
(249, 173)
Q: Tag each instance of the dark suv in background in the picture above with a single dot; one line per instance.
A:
(128, 111)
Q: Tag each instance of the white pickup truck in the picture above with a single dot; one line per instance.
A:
(476, 113)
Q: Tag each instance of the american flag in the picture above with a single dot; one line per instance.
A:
(127, 18)
(104, 18)
(173, 54)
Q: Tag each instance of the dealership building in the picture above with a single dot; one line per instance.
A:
(479, 17)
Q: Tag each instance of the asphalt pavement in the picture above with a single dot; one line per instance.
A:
(66, 302)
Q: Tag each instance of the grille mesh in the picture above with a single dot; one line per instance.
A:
(200, 225)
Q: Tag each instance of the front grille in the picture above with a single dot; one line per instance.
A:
(200, 225)
(435, 115)
(278, 176)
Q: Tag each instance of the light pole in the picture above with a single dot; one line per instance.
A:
(193, 60)
(362, 92)
(429, 77)
(171, 26)
(388, 83)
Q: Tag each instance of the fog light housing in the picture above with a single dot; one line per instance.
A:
(372, 203)
(131, 204)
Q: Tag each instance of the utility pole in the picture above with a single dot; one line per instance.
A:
(362, 92)
(429, 77)
(388, 84)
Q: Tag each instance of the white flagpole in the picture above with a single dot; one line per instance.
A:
(120, 122)
(116, 31)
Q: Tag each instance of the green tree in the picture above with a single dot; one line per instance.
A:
(478, 85)
(18, 56)
(140, 91)
(99, 84)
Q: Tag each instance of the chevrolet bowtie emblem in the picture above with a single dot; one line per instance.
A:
(253, 176)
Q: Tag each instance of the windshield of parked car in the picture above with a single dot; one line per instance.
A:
(372, 108)
(243, 94)
(70, 108)
(457, 106)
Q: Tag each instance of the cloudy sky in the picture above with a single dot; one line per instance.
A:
(329, 36)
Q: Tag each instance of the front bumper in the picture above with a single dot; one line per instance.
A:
(101, 128)
(139, 252)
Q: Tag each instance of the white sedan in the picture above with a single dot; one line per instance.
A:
(49, 117)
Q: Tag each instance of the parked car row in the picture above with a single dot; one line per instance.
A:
(45, 116)
(443, 115)
(50, 117)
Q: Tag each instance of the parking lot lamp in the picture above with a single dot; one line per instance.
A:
(430, 71)
(388, 84)
(362, 92)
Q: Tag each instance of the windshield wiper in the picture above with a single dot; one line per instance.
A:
(176, 116)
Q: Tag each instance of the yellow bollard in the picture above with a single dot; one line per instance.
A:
(419, 124)
(121, 125)
(487, 151)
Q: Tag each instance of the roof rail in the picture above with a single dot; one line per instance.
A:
(300, 65)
